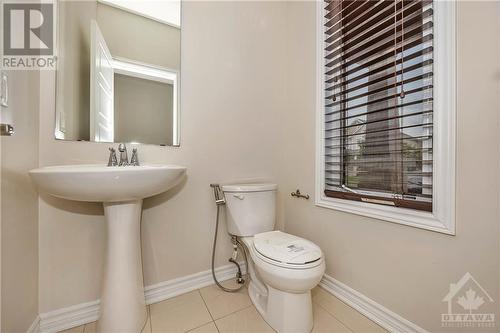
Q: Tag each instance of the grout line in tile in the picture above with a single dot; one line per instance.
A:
(85, 328)
(217, 327)
(354, 310)
(245, 308)
(213, 319)
(195, 328)
(148, 318)
(331, 314)
(227, 315)
(206, 306)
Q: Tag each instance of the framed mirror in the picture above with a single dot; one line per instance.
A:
(118, 71)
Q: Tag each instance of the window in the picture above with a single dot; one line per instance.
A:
(387, 109)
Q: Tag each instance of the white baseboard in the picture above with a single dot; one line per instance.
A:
(71, 316)
(84, 313)
(80, 314)
(381, 315)
(171, 288)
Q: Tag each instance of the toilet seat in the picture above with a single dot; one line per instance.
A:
(284, 250)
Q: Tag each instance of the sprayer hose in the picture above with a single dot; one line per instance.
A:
(213, 256)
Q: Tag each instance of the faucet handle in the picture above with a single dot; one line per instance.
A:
(113, 161)
(122, 148)
(135, 158)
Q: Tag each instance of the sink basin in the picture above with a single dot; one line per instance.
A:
(98, 183)
(121, 190)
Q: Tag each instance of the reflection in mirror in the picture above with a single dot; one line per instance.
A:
(118, 71)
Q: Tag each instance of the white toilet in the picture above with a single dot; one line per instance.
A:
(283, 268)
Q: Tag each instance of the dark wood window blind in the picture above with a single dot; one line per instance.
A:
(378, 63)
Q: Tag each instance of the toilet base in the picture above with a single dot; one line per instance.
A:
(285, 312)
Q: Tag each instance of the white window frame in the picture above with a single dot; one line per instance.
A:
(442, 218)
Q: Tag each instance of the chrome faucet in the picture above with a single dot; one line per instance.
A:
(112, 157)
(122, 148)
(134, 160)
(123, 155)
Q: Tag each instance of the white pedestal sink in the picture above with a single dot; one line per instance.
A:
(121, 190)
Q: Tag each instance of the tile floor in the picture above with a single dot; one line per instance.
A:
(210, 310)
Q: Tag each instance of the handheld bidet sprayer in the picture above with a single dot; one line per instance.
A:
(218, 194)
(220, 200)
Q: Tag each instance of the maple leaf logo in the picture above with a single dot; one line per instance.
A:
(471, 301)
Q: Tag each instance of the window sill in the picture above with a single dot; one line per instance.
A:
(409, 217)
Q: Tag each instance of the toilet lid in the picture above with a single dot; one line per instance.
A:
(286, 248)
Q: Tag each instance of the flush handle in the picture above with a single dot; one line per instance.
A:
(239, 196)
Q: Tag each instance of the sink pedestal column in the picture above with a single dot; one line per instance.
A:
(123, 307)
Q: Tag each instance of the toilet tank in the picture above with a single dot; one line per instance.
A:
(250, 208)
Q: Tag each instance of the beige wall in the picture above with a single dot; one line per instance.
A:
(406, 269)
(231, 99)
(143, 110)
(19, 207)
